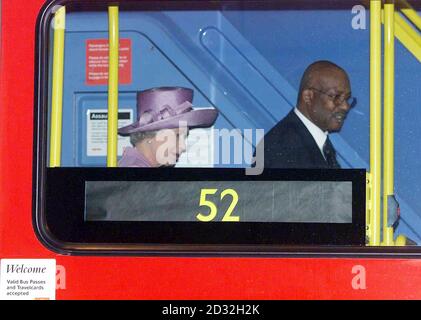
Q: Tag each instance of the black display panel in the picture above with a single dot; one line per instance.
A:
(63, 210)
(224, 201)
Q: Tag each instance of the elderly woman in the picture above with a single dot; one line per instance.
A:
(159, 135)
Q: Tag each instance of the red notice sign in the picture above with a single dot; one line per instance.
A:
(97, 62)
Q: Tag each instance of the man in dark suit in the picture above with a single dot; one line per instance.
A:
(301, 139)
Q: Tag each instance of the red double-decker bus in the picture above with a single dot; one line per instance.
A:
(63, 62)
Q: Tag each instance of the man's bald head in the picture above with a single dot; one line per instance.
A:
(323, 95)
(316, 73)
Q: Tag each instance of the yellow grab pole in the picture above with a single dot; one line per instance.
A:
(411, 14)
(368, 206)
(408, 36)
(57, 88)
(388, 128)
(375, 120)
(113, 86)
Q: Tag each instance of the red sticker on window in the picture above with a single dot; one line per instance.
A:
(97, 62)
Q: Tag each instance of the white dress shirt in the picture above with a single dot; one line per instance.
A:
(318, 134)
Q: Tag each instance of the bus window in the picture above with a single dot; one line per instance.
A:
(229, 124)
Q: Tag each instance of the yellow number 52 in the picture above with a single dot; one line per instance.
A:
(213, 210)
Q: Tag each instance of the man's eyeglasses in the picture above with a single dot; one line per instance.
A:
(338, 99)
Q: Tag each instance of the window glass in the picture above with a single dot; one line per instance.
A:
(202, 85)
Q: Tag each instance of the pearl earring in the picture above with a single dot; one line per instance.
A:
(149, 141)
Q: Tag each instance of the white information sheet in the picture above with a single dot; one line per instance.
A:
(97, 131)
(28, 279)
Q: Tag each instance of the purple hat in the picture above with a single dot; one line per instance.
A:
(164, 108)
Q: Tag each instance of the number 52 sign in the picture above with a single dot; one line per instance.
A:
(213, 210)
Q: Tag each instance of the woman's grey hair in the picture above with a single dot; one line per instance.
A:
(137, 137)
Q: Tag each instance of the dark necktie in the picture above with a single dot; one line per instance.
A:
(330, 155)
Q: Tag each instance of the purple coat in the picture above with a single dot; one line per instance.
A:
(133, 158)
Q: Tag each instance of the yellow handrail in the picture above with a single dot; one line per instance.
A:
(368, 207)
(408, 36)
(375, 119)
(57, 87)
(400, 240)
(388, 128)
(113, 87)
(411, 14)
